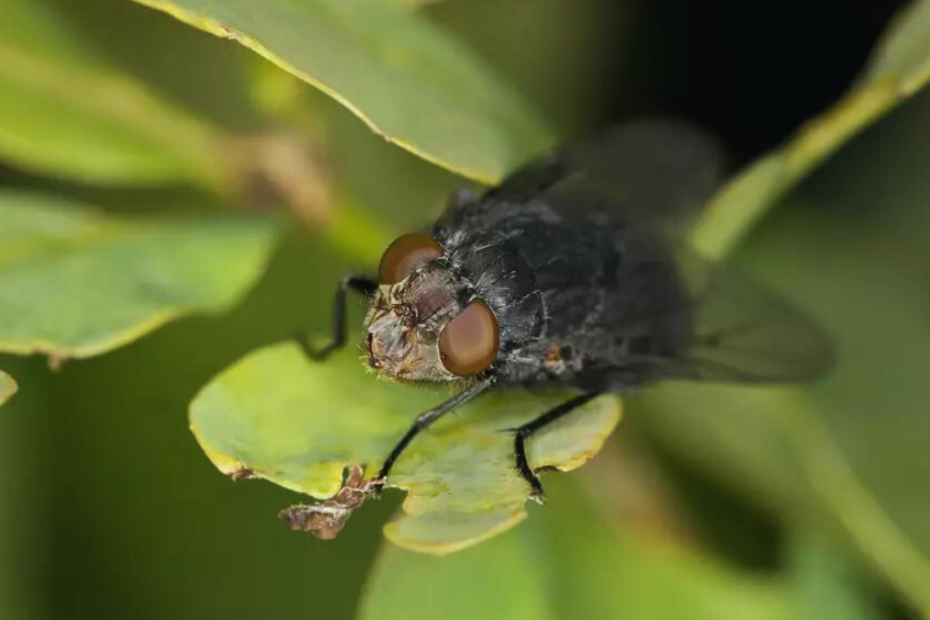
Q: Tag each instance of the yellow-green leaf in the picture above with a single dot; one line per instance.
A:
(903, 56)
(278, 416)
(75, 282)
(899, 68)
(407, 79)
(7, 387)
(68, 111)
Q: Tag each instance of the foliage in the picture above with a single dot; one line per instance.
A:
(900, 66)
(293, 422)
(143, 204)
(7, 387)
(76, 283)
(574, 564)
(367, 428)
(66, 110)
(405, 78)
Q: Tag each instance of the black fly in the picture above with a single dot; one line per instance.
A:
(573, 274)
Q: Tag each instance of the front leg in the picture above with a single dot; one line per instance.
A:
(326, 519)
(522, 433)
(359, 284)
(424, 420)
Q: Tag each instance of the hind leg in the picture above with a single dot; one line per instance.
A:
(524, 432)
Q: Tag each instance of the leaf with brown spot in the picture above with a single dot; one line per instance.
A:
(299, 424)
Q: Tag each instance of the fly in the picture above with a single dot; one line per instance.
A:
(573, 273)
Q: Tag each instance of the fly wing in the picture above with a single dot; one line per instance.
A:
(659, 174)
(739, 332)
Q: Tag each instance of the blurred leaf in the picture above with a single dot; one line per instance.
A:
(65, 110)
(853, 446)
(407, 79)
(116, 424)
(555, 39)
(824, 582)
(903, 56)
(568, 564)
(24, 527)
(147, 45)
(7, 387)
(298, 424)
(829, 450)
(900, 67)
(76, 283)
(508, 572)
(408, 4)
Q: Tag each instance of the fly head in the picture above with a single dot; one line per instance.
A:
(424, 323)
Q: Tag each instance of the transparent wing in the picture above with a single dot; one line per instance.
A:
(657, 173)
(734, 330)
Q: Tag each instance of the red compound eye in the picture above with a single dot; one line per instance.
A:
(406, 254)
(468, 343)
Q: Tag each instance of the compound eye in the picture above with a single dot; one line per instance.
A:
(468, 343)
(405, 254)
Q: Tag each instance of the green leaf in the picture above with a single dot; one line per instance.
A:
(900, 67)
(568, 564)
(408, 4)
(903, 56)
(509, 573)
(278, 416)
(8, 387)
(853, 447)
(408, 80)
(68, 111)
(75, 282)
(825, 582)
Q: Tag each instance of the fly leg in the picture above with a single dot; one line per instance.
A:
(359, 284)
(522, 433)
(326, 519)
(424, 420)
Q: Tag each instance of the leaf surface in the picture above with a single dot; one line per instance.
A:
(7, 387)
(66, 110)
(298, 423)
(75, 282)
(405, 78)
